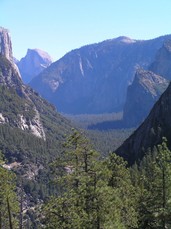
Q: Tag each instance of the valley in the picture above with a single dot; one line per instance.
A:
(106, 139)
(87, 147)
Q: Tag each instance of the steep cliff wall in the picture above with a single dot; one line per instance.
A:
(5, 44)
(141, 96)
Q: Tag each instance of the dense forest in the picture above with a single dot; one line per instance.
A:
(90, 191)
(103, 140)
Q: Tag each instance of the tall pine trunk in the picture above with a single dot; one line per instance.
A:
(9, 214)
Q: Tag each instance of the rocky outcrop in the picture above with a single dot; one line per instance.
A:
(141, 96)
(150, 133)
(32, 125)
(94, 78)
(33, 63)
(6, 48)
(9, 74)
(5, 44)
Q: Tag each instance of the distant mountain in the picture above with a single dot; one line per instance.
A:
(94, 78)
(33, 63)
(162, 63)
(150, 133)
(141, 96)
(147, 87)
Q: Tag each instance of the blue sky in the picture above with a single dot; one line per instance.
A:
(58, 26)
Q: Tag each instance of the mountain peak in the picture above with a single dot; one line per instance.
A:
(7, 77)
(124, 39)
(2, 29)
(44, 55)
(33, 63)
(5, 44)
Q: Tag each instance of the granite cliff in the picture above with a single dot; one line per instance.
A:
(147, 87)
(6, 47)
(33, 63)
(142, 94)
(5, 44)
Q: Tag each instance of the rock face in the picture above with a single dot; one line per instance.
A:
(6, 47)
(150, 133)
(94, 78)
(147, 87)
(33, 63)
(5, 44)
(162, 64)
(9, 74)
(141, 96)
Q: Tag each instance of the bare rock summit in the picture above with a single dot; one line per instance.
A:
(33, 63)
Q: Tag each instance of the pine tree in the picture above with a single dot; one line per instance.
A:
(93, 193)
(120, 181)
(155, 186)
(8, 199)
(77, 174)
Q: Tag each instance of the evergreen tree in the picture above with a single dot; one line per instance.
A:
(155, 189)
(89, 198)
(8, 199)
(120, 181)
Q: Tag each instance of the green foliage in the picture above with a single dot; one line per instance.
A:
(31, 152)
(9, 206)
(120, 181)
(107, 141)
(88, 197)
(153, 183)
(12, 105)
(84, 121)
(104, 141)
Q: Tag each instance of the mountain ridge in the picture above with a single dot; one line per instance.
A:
(94, 78)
